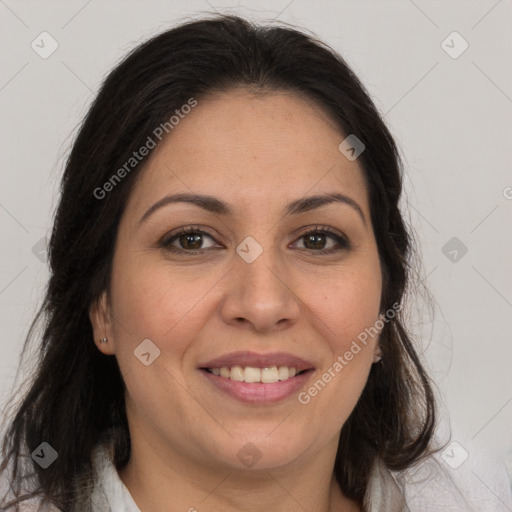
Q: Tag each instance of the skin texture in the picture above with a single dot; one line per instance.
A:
(257, 153)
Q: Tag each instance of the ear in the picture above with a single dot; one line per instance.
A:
(377, 353)
(100, 317)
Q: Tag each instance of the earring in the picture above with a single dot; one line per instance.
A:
(104, 340)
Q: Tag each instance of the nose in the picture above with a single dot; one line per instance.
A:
(260, 295)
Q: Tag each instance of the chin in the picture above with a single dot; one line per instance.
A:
(262, 453)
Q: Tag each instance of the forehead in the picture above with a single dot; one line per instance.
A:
(259, 148)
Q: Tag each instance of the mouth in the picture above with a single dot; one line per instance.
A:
(258, 378)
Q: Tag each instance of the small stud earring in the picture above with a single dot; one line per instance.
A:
(104, 340)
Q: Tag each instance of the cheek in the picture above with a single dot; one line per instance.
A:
(157, 302)
(167, 306)
(346, 304)
(346, 316)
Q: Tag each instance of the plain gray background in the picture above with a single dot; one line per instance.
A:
(450, 114)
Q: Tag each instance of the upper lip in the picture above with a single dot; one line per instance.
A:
(258, 360)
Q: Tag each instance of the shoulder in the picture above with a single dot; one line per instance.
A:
(36, 503)
(103, 496)
(110, 493)
(33, 504)
(451, 480)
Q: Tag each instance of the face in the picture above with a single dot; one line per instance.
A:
(250, 292)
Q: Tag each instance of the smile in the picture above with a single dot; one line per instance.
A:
(254, 375)
(257, 378)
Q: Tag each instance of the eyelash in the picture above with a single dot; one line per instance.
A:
(342, 241)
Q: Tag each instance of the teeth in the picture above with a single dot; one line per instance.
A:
(251, 374)
(283, 372)
(237, 373)
(269, 375)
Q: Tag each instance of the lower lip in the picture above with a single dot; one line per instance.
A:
(259, 392)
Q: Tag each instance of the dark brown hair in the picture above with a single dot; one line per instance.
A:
(76, 395)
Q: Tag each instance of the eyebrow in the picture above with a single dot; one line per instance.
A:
(214, 205)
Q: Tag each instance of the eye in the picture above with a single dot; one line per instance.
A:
(316, 240)
(188, 240)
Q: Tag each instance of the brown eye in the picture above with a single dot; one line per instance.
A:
(324, 241)
(189, 240)
(315, 241)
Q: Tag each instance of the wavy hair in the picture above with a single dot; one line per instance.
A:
(75, 397)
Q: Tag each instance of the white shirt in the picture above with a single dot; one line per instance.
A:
(432, 486)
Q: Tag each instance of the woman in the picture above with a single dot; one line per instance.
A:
(222, 322)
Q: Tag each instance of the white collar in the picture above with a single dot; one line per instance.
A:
(111, 495)
(430, 485)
